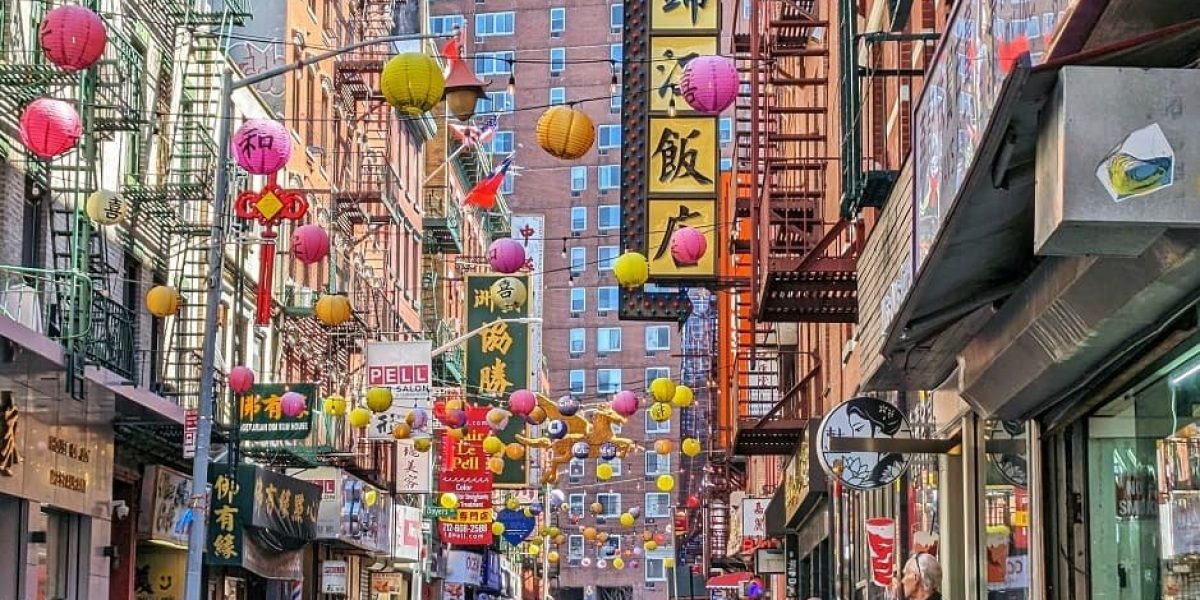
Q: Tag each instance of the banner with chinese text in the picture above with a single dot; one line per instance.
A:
(406, 368)
(413, 469)
(261, 414)
(464, 473)
(259, 519)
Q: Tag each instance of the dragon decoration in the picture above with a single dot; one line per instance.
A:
(593, 425)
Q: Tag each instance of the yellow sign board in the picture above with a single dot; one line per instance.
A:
(683, 155)
(670, 55)
(684, 15)
(668, 216)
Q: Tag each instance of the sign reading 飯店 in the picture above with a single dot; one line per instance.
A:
(262, 416)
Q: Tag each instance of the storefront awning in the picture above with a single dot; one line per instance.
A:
(728, 580)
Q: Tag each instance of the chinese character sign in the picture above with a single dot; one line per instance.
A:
(159, 574)
(225, 521)
(754, 518)
(668, 216)
(412, 469)
(684, 15)
(262, 414)
(683, 155)
(284, 505)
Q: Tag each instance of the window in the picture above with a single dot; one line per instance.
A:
(558, 95)
(608, 177)
(605, 256)
(577, 381)
(725, 129)
(558, 21)
(657, 464)
(726, 163)
(658, 504)
(610, 137)
(578, 218)
(616, 53)
(495, 102)
(558, 60)
(444, 25)
(653, 426)
(575, 471)
(612, 506)
(496, 23)
(655, 570)
(506, 186)
(578, 300)
(608, 339)
(578, 260)
(608, 216)
(608, 381)
(575, 502)
(614, 102)
(653, 373)
(616, 464)
(575, 547)
(578, 179)
(501, 142)
(658, 337)
(607, 298)
(577, 341)
(494, 63)
(611, 547)
(616, 17)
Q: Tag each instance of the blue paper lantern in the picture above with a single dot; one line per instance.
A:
(568, 406)
(581, 450)
(608, 451)
(556, 429)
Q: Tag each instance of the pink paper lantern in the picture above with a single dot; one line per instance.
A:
(241, 379)
(310, 244)
(50, 127)
(521, 402)
(506, 255)
(709, 83)
(73, 37)
(262, 146)
(625, 403)
(292, 404)
(688, 246)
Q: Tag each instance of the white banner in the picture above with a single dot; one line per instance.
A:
(754, 518)
(530, 231)
(464, 567)
(406, 368)
(406, 536)
(412, 469)
(333, 576)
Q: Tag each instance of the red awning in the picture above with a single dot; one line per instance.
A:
(729, 580)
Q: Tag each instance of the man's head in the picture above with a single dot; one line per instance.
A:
(922, 577)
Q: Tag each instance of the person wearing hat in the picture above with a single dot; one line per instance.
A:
(921, 579)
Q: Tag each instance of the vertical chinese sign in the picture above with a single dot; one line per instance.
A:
(670, 153)
(497, 361)
(225, 523)
(464, 473)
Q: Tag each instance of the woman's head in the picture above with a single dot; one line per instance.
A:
(869, 412)
(922, 577)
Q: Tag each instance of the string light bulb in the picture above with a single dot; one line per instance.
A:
(613, 83)
(671, 112)
(512, 79)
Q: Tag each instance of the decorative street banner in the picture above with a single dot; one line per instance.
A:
(497, 361)
(263, 414)
(464, 473)
(413, 469)
(406, 368)
(259, 520)
(517, 526)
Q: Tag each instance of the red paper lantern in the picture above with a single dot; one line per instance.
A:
(522, 402)
(693, 502)
(241, 379)
(292, 404)
(262, 146)
(625, 403)
(506, 255)
(688, 246)
(50, 127)
(310, 244)
(73, 37)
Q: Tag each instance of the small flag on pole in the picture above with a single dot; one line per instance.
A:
(483, 195)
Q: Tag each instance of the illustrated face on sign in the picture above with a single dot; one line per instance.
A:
(864, 417)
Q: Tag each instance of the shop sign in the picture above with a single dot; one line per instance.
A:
(802, 478)
(497, 360)
(517, 526)
(492, 574)
(351, 511)
(164, 504)
(770, 562)
(333, 576)
(272, 503)
(754, 518)
(464, 473)
(406, 368)
(191, 418)
(388, 583)
(225, 531)
(261, 415)
(863, 417)
(413, 469)
(791, 553)
(406, 539)
(464, 567)
(437, 512)
(454, 591)
(159, 574)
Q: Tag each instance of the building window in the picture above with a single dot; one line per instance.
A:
(654, 427)
(558, 61)
(578, 300)
(658, 337)
(608, 381)
(558, 21)
(610, 137)
(608, 216)
(608, 177)
(578, 380)
(578, 259)
(578, 219)
(575, 502)
(506, 186)
(725, 130)
(575, 548)
(607, 298)
(616, 17)
(658, 504)
(494, 63)
(578, 179)
(614, 102)
(608, 339)
(653, 373)
(496, 23)
(501, 142)
(444, 25)
(578, 341)
(616, 465)
(495, 102)
(558, 95)
(605, 256)
(611, 547)
(726, 163)
(657, 464)
(655, 569)
(616, 53)
(612, 506)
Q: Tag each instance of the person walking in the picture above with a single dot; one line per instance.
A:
(921, 579)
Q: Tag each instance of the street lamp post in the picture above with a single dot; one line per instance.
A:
(197, 535)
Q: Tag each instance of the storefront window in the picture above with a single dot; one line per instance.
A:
(1007, 511)
(62, 558)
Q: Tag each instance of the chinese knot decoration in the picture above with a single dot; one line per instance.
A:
(269, 206)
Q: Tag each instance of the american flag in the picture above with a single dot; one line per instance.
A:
(472, 135)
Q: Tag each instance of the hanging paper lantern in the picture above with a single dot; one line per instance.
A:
(417, 418)
(536, 509)
(618, 564)
(310, 244)
(495, 464)
(498, 528)
(105, 207)
(454, 418)
(162, 300)
(601, 563)
(631, 269)
(556, 429)
(73, 37)
(754, 590)
(665, 483)
(662, 389)
(334, 406)
(379, 399)
(660, 412)
(669, 563)
(585, 562)
(552, 556)
(553, 532)
(560, 539)
(693, 502)
(651, 546)
(691, 447)
(492, 445)
(638, 551)
(688, 246)
(602, 537)
(581, 450)
(589, 533)
(568, 406)
(647, 536)
(662, 446)
(497, 419)
(528, 512)
(660, 539)
(514, 451)
(522, 402)
(448, 500)
(509, 294)
(608, 451)
(635, 511)
(506, 255)
(401, 431)
(360, 418)
(262, 146)
(332, 309)
(537, 416)
(604, 471)
(535, 549)
(557, 498)
(565, 132)
(412, 82)
(596, 508)
(241, 379)
(422, 444)
(292, 404)
(511, 503)
(626, 520)
(50, 127)
(709, 83)
(683, 397)
(624, 403)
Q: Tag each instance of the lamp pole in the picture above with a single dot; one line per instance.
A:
(454, 343)
(197, 535)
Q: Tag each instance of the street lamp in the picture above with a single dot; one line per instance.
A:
(197, 535)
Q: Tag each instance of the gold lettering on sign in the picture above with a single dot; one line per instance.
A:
(68, 481)
(68, 449)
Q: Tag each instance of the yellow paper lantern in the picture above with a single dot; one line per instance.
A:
(495, 464)
(589, 533)
(492, 445)
(509, 293)
(631, 269)
(626, 520)
(537, 416)
(565, 132)
(669, 563)
(554, 532)
(105, 207)
(597, 508)
(552, 556)
(422, 444)
(512, 503)
(665, 483)
(370, 498)
(454, 404)
(662, 447)
(604, 471)
(458, 433)
(647, 536)
(660, 412)
(691, 447)
(448, 501)
(360, 418)
(497, 528)
(651, 546)
(535, 549)
(379, 399)
(334, 406)
(663, 389)
(162, 301)
(401, 431)
(683, 396)
(514, 451)
(560, 539)
(602, 537)
(618, 563)
(332, 309)
(412, 82)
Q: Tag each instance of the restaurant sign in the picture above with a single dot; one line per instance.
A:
(802, 478)
(259, 518)
(264, 414)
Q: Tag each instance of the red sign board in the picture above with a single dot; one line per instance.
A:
(464, 472)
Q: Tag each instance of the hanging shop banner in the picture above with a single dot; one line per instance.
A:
(754, 518)
(259, 519)
(464, 567)
(406, 539)
(164, 506)
(517, 526)
(530, 231)
(406, 368)
(413, 469)
(160, 574)
(803, 480)
(334, 574)
(863, 417)
(351, 510)
(497, 359)
(464, 473)
(265, 413)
